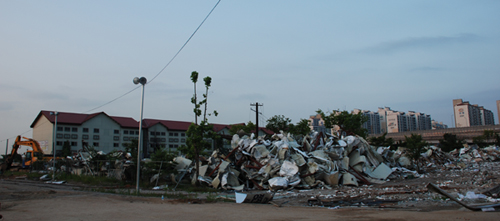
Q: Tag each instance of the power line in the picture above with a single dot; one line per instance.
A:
(172, 59)
(169, 62)
(199, 26)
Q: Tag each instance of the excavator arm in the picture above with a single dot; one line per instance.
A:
(27, 142)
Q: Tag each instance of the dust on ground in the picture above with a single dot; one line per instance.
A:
(406, 199)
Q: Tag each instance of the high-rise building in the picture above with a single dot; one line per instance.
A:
(438, 125)
(382, 112)
(373, 121)
(317, 123)
(467, 114)
(418, 121)
(498, 110)
(396, 121)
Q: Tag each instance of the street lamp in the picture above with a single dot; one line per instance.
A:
(54, 146)
(141, 81)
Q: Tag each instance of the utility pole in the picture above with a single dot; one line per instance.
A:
(256, 105)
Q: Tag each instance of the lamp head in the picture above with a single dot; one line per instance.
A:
(141, 80)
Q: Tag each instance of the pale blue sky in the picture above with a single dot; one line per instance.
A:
(293, 56)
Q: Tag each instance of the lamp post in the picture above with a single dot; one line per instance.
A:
(141, 81)
(54, 146)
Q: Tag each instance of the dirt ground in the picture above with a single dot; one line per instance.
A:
(407, 199)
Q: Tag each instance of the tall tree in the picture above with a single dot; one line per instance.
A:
(415, 146)
(351, 124)
(194, 99)
(450, 142)
(301, 128)
(247, 128)
(278, 122)
(197, 134)
(381, 141)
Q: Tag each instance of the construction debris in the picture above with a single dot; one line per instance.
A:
(485, 208)
(318, 161)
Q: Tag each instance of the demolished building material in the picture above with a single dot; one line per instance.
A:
(318, 160)
(490, 207)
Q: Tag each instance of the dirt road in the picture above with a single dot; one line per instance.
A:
(32, 200)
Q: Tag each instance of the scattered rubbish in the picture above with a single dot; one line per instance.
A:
(337, 203)
(45, 177)
(162, 187)
(485, 208)
(55, 182)
(261, 197)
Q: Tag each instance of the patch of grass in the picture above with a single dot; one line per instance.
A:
(90, 180)
(22, 173)
(191, 188)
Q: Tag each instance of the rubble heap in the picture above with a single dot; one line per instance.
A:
(315, 161)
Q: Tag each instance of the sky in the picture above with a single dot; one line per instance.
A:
(294, 57)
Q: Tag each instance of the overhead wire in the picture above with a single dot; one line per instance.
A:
(161, 71)
(184, 45)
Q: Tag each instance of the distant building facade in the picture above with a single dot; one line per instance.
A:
(438, 125)
(108, 133)
(396, 121)
(498, 110)
(467, 115)
(317, 123)
(372, 125)
(384, 120)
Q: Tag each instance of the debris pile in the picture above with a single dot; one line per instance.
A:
(475, 154)
(317, 161)
(116, 164)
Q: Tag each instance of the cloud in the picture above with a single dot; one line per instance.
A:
(426, 69)
(6, 106)
(252, 97)
(422, 42)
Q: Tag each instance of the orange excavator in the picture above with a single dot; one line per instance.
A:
(31, 155)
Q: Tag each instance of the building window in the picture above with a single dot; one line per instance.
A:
(152, 133)
(137, 132)
(152, 139)
(125, 138)
(171, 140)
(59, 143)
(116, 138)
(74, 129)
(116, 144)
(74, 136)
(171, 146)
(183, 134)
(74, 144)
(59, 136)
(96, 130)
(170, 134)
(67, 129)
(85, 137)
(96, 144)
(163, 133)
(176, 134)
(66, 136)
(183, 140)
(163, 139)
(117, 132)
(125, 132)
(158, 133)
(85, 130)
(59, 128)
(96, 137)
